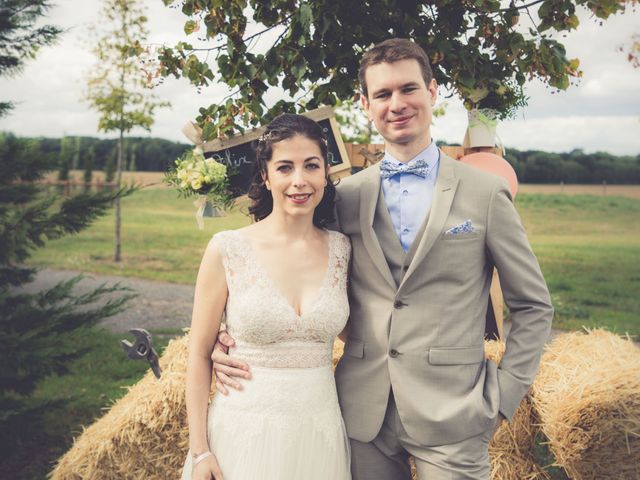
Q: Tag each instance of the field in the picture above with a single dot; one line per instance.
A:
(629, 191)
(154, 180)
(588, 247)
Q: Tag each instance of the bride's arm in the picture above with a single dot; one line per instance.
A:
(208, 306)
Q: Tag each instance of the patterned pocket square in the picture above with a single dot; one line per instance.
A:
(465, 228)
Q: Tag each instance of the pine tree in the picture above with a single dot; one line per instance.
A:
(20, 39)
(39, 332)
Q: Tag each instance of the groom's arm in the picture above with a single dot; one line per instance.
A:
(525, 293)
(227, 368)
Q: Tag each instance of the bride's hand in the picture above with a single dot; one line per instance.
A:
(207, 469)
(227, 369)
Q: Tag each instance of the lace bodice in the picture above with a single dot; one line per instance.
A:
(267, 330)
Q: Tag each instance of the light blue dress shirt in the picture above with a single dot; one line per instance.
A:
(408, 196)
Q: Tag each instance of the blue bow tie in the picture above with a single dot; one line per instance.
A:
(420, 167)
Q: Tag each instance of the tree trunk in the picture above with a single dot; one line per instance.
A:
(117, 255)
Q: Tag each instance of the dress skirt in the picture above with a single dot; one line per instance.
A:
(285, 424)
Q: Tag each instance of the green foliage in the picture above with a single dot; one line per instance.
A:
(151, 154)
(110, 166)
(88, 160)
(73, 401)
(65, 157)
(40, 333)
(20, 39)
(116, 85)
(477, 49)
(354, 125)
(534, 166)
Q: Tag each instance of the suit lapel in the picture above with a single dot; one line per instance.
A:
(445, 189)
(369, 191)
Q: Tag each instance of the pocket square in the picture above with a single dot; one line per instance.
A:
(464, 228)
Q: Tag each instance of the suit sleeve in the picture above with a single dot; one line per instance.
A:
(335, 224)
(525, 293)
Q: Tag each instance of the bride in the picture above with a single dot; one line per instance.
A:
(282, 284)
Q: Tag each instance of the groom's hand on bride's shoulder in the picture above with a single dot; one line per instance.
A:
(226, 368)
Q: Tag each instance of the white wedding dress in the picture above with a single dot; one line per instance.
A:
(285, 424)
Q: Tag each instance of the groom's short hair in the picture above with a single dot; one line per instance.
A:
(391, 51)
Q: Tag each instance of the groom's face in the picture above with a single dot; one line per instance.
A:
(399, 102)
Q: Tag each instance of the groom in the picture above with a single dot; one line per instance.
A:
(426, 233)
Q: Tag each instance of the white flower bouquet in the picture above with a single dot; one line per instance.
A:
(193, 174)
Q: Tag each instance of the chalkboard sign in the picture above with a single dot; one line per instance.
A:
(238, 155)
(240, 162)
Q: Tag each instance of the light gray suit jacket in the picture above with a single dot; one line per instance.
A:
(424, 337)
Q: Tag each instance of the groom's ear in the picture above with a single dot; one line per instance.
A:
(364, 101)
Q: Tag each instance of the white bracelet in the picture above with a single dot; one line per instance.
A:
(201, 457)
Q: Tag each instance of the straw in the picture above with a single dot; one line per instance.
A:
(587, 396)
(143, 435)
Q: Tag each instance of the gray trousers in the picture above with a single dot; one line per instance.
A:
(387, 456)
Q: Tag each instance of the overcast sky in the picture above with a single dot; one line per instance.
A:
(601, 113)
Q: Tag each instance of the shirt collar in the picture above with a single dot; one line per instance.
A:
(430, 154)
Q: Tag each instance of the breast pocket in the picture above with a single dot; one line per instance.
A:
(447, 237)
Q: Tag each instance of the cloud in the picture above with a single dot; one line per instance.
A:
(600, 113)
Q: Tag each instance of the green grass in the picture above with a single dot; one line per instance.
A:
(160, 240)
(589, 251)
(94, 381)
(588, 247)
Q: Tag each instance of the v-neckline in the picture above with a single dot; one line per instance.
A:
(278, 291)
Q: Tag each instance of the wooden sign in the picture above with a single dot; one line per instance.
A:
(238, 155)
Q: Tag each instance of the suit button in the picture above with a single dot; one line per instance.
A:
(393, 353)
(398, 304)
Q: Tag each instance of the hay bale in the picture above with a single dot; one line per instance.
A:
(143, 435)
(511, 448)
(587, 396)
(338, 350)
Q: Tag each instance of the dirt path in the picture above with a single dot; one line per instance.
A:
(159, 305)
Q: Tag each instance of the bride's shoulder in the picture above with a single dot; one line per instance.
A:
(224, 235)
(224, 240)
(340, 239)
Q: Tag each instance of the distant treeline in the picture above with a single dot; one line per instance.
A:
(156, 154)
(140, 153)
(534, 166)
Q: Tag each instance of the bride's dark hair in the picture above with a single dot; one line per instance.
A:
(281, 128)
